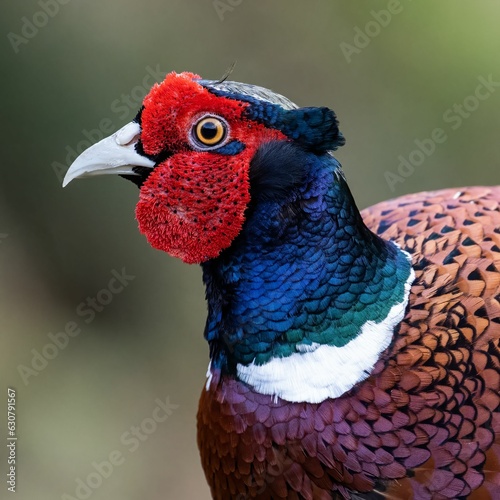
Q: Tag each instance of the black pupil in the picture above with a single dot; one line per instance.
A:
(209, 130)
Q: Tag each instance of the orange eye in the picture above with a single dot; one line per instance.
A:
(210, 131)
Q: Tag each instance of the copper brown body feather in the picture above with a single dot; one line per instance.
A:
(426, 423)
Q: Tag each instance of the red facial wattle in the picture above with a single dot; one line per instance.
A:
(193, 204)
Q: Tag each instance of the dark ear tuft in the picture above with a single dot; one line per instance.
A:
(315, 129)
(276, 169)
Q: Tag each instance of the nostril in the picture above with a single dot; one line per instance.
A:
(133, 140)
(128, 134)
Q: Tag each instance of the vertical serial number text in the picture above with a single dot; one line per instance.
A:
(11, 440)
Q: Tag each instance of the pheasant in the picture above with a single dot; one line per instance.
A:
(352, 354)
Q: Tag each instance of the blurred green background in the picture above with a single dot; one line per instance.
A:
(82, 70)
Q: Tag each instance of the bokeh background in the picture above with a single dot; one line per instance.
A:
(81, 74)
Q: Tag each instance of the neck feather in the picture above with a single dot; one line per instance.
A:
(307, 298)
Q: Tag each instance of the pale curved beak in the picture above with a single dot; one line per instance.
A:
(115, 154)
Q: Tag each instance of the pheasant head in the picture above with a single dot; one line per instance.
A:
(196, 149)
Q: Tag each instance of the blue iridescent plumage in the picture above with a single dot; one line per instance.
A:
(304, 269)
